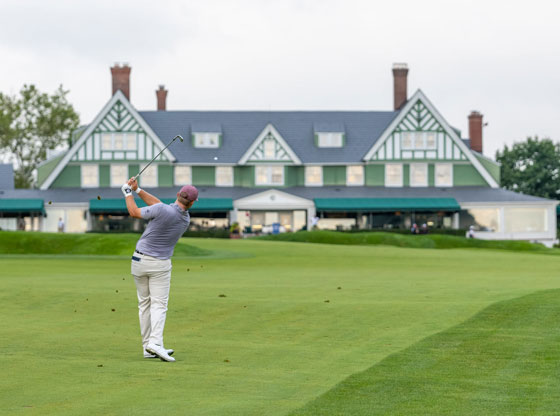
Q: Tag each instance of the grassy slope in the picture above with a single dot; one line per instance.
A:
(503, 361)
(403, 240)
(86, 244)
(284, 344)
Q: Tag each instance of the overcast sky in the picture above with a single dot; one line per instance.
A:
(501, 58)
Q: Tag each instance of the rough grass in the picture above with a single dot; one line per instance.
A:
(262, 332)
(439, 241)
(17, 242)
(503, 361)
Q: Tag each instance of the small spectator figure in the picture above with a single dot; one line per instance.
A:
(424, 229)
(21, 224)
(60, 225)
(314, 222)
(414, 229)
(470, 232)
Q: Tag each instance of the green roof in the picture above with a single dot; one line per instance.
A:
(118, 206)
(386, 204)
(22, 205)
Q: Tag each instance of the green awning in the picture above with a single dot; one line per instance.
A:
(212, 205)
(24, 206)
(118, 206)
(386, 204)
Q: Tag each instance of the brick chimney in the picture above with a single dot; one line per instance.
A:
(161, 95)
(121, 79)
(475, 131)
(400, 72)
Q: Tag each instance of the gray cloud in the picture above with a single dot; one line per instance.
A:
(497, 57)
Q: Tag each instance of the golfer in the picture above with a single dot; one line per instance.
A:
(151, 264)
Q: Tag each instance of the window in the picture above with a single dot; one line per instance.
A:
(418, 174)
(313, 176)
(183, 175)
(444, 174)
(525, 220)
(330, 139)
(269, 175)
(393, 174)
(354, 175)
(118, 141)
(269, 149)
(150, 176)
(430, 140)
(483, 219)
(119, 175)
(406, 140)
(90, 176)
(224, 175)
(130, 141)
(418, 140)
(106, 141)
(207, 140)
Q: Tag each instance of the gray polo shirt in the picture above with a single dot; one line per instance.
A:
(167, 224)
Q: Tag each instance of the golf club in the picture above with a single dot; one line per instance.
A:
(156, 156)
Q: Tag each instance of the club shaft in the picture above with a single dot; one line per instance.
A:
(156, 156)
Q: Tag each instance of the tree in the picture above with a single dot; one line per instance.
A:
(531, 167)
(32, 123)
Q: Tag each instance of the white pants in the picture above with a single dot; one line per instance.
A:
(153, 278)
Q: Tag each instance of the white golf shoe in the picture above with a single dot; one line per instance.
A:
(150, 355)
(160, 352)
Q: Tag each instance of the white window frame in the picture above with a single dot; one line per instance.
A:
(202, 140)
(228, 170)
(114, 182)
(348, 168)
(96, 169)
(413, 167)
(439, 166)
(309, 171)
(176, 180)
(330, 139)
(144, 176)
(394, 185)
(268, 174)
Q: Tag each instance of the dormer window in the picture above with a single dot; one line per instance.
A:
(206, 140)
(329, 134)
(330, 140)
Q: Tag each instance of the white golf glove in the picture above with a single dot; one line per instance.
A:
(126, 190)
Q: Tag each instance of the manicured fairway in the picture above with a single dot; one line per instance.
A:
(271, 346)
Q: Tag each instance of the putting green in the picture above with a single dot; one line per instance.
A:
(270, 346)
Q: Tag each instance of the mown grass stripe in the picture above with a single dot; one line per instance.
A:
(504, 360)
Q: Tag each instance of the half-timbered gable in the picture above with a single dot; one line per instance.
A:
(118, 136)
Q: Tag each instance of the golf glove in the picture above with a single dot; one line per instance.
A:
(126, 190)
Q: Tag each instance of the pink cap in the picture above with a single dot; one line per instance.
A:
(189, 192)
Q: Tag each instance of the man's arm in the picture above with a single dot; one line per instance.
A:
(148, 198)
(131, 206)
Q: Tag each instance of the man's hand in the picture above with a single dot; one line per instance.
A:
(126, 190)
(133, 183)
